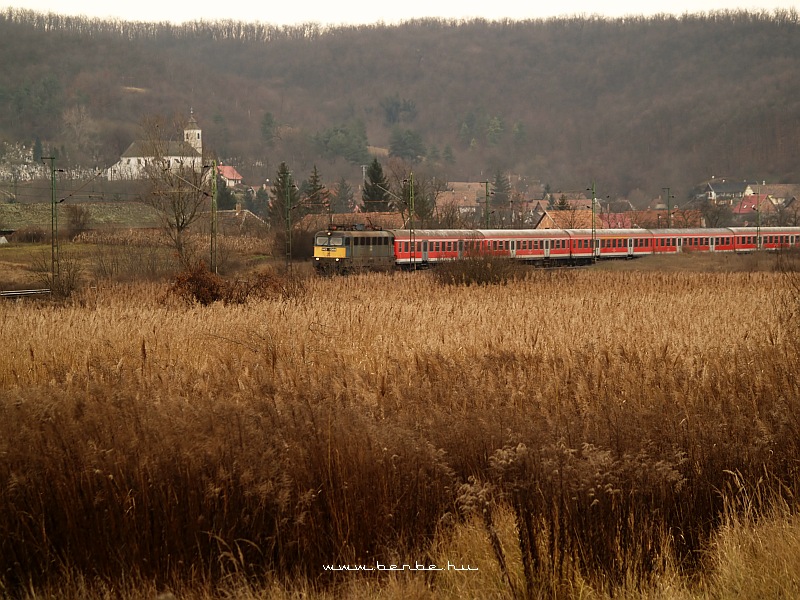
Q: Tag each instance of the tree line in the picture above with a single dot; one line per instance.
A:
(634, 104)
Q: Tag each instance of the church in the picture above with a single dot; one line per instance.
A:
(187, 152)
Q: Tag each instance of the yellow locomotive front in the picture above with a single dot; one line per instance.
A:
(330, 252)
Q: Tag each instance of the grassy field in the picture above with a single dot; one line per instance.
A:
(607, 432)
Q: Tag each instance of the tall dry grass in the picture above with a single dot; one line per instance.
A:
(597, 419)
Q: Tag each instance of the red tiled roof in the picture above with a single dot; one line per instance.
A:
(229, 173)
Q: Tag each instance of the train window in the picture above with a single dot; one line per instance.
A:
(535, 244)
(505, 245)
(322, 240)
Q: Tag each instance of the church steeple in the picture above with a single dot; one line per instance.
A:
(192, 134)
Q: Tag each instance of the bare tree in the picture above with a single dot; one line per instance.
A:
(178, 186)
(427, 190)
(448, 214)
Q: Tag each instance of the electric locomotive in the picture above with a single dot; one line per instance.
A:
(345, 249)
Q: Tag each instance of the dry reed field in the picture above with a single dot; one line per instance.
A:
(574, 434)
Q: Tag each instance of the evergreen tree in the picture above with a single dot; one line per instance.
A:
(448, 155)
(494, 130)
(348, 141)
(316, 198)
(406, 144)
(269, 129)
(226, 200)
(38, 151)
(342, 198)
(284, 197)
(502, 190)
(259, 204)
(375, 195)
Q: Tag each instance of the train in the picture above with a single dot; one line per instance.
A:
(343, 249)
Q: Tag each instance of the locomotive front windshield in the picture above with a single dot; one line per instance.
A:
(333, 240)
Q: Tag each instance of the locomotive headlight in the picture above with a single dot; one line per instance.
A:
(337, 260)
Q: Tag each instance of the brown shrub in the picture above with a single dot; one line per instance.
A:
(480, 269)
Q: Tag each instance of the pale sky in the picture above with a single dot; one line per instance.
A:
(332, 12)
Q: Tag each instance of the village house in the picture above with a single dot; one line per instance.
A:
(229, 175)
(187, 152)
(724, 191)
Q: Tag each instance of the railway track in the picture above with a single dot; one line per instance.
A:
(24, 293)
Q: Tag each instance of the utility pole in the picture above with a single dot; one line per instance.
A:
(54, 263)
(287, 199)
(214, 219)
(669, 206)
(594, 225)
(411, 237)
(758, 218)
(486, 203)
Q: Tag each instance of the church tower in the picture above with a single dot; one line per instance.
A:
(192, 134)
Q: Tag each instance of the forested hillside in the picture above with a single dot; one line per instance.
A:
(634, 104)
